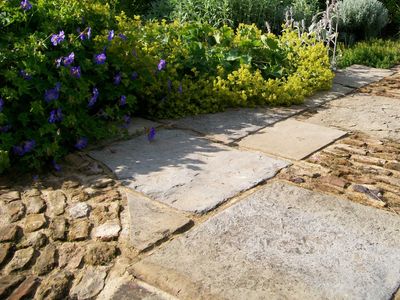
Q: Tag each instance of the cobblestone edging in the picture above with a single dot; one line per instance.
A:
(61, 236)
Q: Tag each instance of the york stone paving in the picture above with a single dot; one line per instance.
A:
(283, 242)
(185, 171)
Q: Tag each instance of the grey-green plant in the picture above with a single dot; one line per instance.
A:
(362, 19)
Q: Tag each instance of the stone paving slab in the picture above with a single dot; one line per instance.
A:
(139, 126)
(283, 242)
(323, 97)
(374, 115)
(357, 76)
(185, 171)
(234, 124)
(151, 222)
(291, 139)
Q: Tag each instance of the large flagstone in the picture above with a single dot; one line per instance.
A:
(357, 76)
(283, 242)
(374, 115)
(291, 139)
(186, 171)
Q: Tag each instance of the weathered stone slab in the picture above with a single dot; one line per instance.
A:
(283, 242)
(185, 171)
(323, 97)
(151, 222)
(235, 124)
(291, 139)
(374, 115)
(139, 126)
(357, 76)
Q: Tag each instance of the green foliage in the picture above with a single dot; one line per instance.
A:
(393, 7)
(376, 53)
(165, 69)
(362, 18)
(304, 10)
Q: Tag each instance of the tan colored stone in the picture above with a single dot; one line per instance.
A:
(368, 160)
(55, 286)
(35, 239)
(26, 289)
(350, 149)
(70, 256)
(56, 202)
(35, 205)
(34, 222)
(8, 233)
(393, 165)
(103, 183)
(100, 253)
(392, 199)
(10, 196)
(335, 181)
(20, 260)
(46, 261)
(108, 196)
(15, 210)
(9, 282)
(79, 230)
(107, 231)
(58, 228)
(291, 139)
(91, 283)
(4, 252)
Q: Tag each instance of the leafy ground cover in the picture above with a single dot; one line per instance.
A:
(376, 53)
(76, 72)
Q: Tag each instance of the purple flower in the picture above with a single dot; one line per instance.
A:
(86, 34)
(57, 38)
(1, 104)
(69, 59)
(117, 78)
(81, 143)
(35, 177)
(76, 72)
(134, 75)
(18, 150)
(93, 100)
(151, 135)
(100, 58)
(56, 166)
(127, 119)
(55, 116)
(180, 89)
(25, 75)
(122, 36)
(53, 93)
(111, 35)
(58, 62)
(29, 145)
(25, 5)
(122, 101)
(161, 65)
(5, 128)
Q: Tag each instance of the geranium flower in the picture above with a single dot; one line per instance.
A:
(134, 75)
(1, 104)
(55, 116)
(81, 143)
(93, 100)
(25, 5)
(86, 34)
(57, 38)
(161, 65)
(122, 101)
(25, 75)
(122, 36)
(76, 72)
(100, 58)
(56, 166)
(111, 35)
(151, 135)
(29, 145)
(117, 78)
(18, 150)
(52, 94)
(69, 59)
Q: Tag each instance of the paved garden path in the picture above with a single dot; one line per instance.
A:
(265, 203)
(250, 234)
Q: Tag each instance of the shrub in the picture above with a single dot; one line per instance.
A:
(393, 6)
(362, 18)
(63, 87)
(375, 53)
